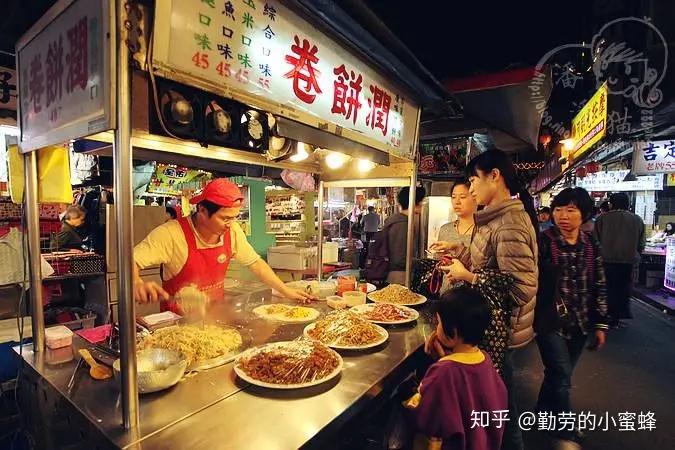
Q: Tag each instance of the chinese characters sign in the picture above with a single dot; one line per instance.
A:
(447, 156)
(590, 124)
(260, 50)
(65, 75)
(168, 179)
(669, 279)
(8, 89)
(612, 181)
(654, 157)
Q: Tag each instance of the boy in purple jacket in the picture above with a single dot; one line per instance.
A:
(463, 383)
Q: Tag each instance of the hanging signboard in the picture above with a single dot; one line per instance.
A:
(66, 74)
(262, 53)
(8, 91)
(447, 157)
(654, 157)
(590, 124)
(612, 181)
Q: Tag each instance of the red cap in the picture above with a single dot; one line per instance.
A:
(220, 191)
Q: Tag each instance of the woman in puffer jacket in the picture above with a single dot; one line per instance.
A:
(505, 239)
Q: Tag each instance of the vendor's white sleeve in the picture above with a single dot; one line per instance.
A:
(156, 248)
(242, 251)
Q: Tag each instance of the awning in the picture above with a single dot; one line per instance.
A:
(507, 103)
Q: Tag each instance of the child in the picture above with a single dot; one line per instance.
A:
(462, 384)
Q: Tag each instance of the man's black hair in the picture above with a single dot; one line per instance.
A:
(619, 200)
(371, 209)
(465, 311)
(404, 196)
(544, 209)
(211, 208)
(172, 212)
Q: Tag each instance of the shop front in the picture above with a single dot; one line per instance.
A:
(291, 116)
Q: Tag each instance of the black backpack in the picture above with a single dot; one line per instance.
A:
(377, 263)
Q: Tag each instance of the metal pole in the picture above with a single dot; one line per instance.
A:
(411, 204)
(122, 163)
(411, 222)
(319, 250)
(33, 226)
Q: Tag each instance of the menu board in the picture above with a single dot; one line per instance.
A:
(262, 51)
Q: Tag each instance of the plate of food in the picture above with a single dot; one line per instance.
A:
(289, 365)
(204, 348)
(386, 313)
(397, 295)
(345, 330)
(286, 313)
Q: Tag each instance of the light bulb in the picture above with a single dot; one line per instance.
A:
(335, 160)
(568, 144)
(300, 153)
(366, 165)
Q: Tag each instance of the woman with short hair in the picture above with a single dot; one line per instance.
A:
(572, 299)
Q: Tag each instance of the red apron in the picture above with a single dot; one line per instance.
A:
(205, 268)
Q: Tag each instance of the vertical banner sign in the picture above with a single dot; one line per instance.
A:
(66, 74)
(669, 280)
(260, 51)
(590, 125)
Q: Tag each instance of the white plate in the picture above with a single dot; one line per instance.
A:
(360, 309)
(260, 312)
(241, 374)
(385, 336)
(371, 288)
(422, 300)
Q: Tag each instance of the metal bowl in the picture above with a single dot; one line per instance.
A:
(157, 369)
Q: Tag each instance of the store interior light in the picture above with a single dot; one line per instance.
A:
(568, 144)
(335, 160)
(300, 153)
(366, 165)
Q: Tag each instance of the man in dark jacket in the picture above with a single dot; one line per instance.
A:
(622, 237)
(397, 233)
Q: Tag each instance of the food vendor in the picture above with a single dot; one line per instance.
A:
(195, 251)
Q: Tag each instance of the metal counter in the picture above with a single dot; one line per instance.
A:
(213, 407)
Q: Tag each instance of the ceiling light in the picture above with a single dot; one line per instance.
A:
(366, 165)
(300, 153)
(568, 144)
(335, 160)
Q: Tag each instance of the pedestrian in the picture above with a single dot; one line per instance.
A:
(464, 206)
(544, 217)
(397, 233)
(571, 301)
(371, 223)
(462, 381)
(505, 240)
(622, 237)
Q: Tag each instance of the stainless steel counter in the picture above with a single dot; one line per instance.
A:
(214, 407)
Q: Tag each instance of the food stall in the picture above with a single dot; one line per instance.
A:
(195, 69)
